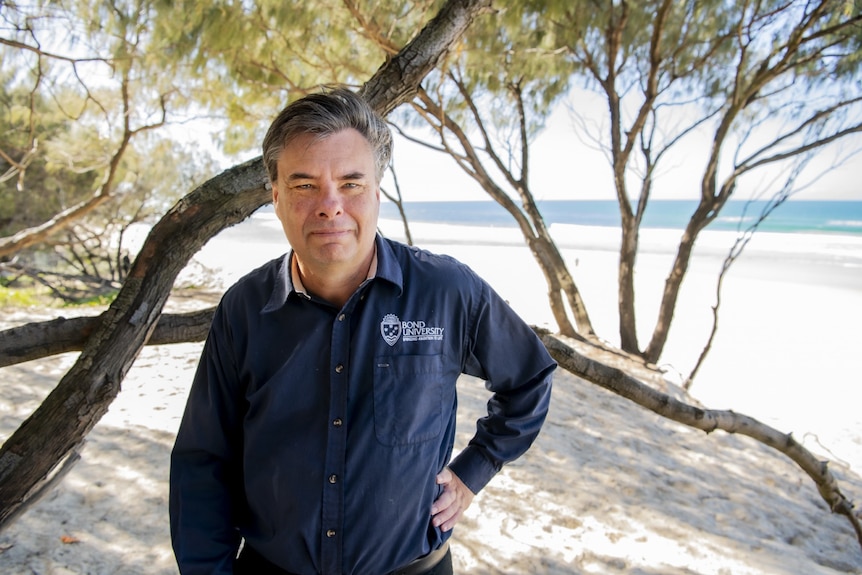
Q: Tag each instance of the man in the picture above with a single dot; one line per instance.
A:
(320, 423)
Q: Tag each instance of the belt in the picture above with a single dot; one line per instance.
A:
(253, 563)
(424, 563)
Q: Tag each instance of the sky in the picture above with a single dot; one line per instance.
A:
(563, 168)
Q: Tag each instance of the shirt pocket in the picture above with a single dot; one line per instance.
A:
(408, 398)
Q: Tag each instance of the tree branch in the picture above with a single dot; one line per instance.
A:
(36, 340)
(708, 420)
(42, 53)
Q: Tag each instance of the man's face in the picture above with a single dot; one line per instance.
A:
(328, 199)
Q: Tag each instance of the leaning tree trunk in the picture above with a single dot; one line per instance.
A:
(83, 395)
(672, 284)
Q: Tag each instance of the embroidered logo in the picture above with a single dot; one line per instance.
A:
(392, 329)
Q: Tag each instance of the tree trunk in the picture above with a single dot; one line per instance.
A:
(699, 220)
(562, 289)
(83, 395)
(626, 285)
(85, 392)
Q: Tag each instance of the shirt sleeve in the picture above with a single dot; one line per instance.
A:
(505, 352)
(206, 463)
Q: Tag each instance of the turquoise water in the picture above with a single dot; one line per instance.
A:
(828, 217)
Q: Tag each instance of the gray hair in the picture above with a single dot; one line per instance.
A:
(325, 114)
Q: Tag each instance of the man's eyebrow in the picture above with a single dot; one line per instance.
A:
(299, 176)
(357, 175)
(353, 176)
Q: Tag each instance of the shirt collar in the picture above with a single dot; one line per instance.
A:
(383, 266)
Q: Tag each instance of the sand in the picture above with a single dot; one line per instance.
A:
(608, 487)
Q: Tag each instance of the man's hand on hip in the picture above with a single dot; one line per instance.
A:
(455, 499)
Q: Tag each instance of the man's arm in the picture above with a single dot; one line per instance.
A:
(204, 540)
(206, 466)
(507, 354)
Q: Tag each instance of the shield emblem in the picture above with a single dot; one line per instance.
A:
(390, 328)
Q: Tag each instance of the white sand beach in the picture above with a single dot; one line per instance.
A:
(608, 488)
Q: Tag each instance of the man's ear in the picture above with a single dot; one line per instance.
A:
(274, 187)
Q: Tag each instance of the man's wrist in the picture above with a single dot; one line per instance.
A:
(474, 468)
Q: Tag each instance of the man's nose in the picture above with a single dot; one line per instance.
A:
(330, 204)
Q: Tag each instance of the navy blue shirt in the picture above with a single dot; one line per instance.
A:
(316, 433)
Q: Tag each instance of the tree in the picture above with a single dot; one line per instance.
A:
(604, 374)
(77, 104)
(90, 258)
(768, 84)
(52, 434)
(771, 83)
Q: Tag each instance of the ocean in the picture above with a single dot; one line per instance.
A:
(821, 217)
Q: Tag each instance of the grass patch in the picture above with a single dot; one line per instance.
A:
(23, 297)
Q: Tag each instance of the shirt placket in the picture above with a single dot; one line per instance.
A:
(336, 448)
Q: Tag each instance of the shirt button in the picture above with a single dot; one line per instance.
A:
(339, 368)
(341, 317)
(333, 478)
(330, 533)
(337, 422)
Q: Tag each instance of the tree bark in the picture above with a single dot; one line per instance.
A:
(61, 335)
(83, 395)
